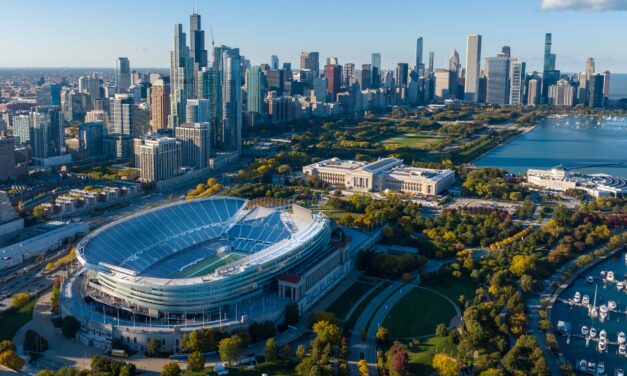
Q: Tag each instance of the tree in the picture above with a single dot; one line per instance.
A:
(382, 335)
(126, 370)
(326, 332)
(362, 365)
(153, 347)
(171, 369)
(6, 345)
(70, 326)
(292, 314)
(195, 361)
(229, 348)
(10, 359)
(441, 330)
(39, 211)
(445, 365)
(399, 365)
(300, 352)
(54, 298)
(20, 299)
(287, 351)
(272, 349)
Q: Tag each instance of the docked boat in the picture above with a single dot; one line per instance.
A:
(620, 372)
(603, 312)
(577, 297)
(585, 300)
(583, 365)
(602, 335)
(590, 279)
(620, 338)
(622, 349)
(602, 346)
(593, 332)
(594, 312)
(610, 276)
(600, 368)
(602, 274)
(611, 305)
(625, 257)
(584, 330)
(592, 366)
(620, 285)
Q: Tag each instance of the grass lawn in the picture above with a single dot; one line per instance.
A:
(278, 368)
(345, 302)
(352, 320)
(420, 357)
(417, 314)
(12, 320)
(412, 140)
(455, 287)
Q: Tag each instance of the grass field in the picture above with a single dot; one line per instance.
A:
(12, 320)
(420, 357)
(412, 140)
(417, 314)
(455, 287)
(208, 265)
(350, 323)
(347, 300)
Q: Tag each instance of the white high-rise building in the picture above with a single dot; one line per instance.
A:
(473, 65)
(158, 158)
(497, 73)
(195, 142)
(516, 82)
(123, 114)
(561, 94)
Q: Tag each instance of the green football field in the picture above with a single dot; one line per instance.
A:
(208, 265)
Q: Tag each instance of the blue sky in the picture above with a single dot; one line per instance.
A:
(89, 33)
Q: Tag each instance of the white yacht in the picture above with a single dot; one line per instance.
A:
(611, 305)
(602, 346)
(602, 335)
(610, 276)
(590, 279)
(625, 257)
(620, 372)
(585, 300)
(592, 366)
(622, 349)
(584, 330)
(583, 364)
(620, 338)
(602, 312)
(594, 312)
(577, 297)
(601, 368)
(593, 332)
(602, 274)
(620, 285)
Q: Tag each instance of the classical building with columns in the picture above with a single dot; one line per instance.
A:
(380, 175)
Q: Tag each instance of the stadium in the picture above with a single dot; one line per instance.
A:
(209, 262)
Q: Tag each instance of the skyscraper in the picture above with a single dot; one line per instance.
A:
(310, 61)
(46, 132)
(160, 103)
(159, 158)
(197, 42)
(320, 89)
(181, 77)
(274, 62)
(402, 74)
(473, 67)
(431, 58)
(123, 75)
(333, 75)
(533, 92)
(195, 142)
(419, 67)
(90, 138)
(255, 89)
(561, 94)
(549, 58)
(595, 90)
(197, 111)
(375, 60)
(517, 82)
(590, 67)
(7, 157)
(453, 62)
(231, 125)
(497, 72)
(507, 51)
(123, 110)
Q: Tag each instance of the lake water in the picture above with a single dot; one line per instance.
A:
(577, 316)
(575, 141)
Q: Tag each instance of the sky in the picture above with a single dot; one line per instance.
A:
(88, 33)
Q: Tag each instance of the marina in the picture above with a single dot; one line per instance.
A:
(591, 319)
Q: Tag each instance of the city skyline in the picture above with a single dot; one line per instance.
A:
(356, 37)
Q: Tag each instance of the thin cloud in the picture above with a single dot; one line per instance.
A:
(584, 5)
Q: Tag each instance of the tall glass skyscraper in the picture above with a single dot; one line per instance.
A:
(255, 87)
(197, 42)
(181, 78)
(231, 101)
(420, 68)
